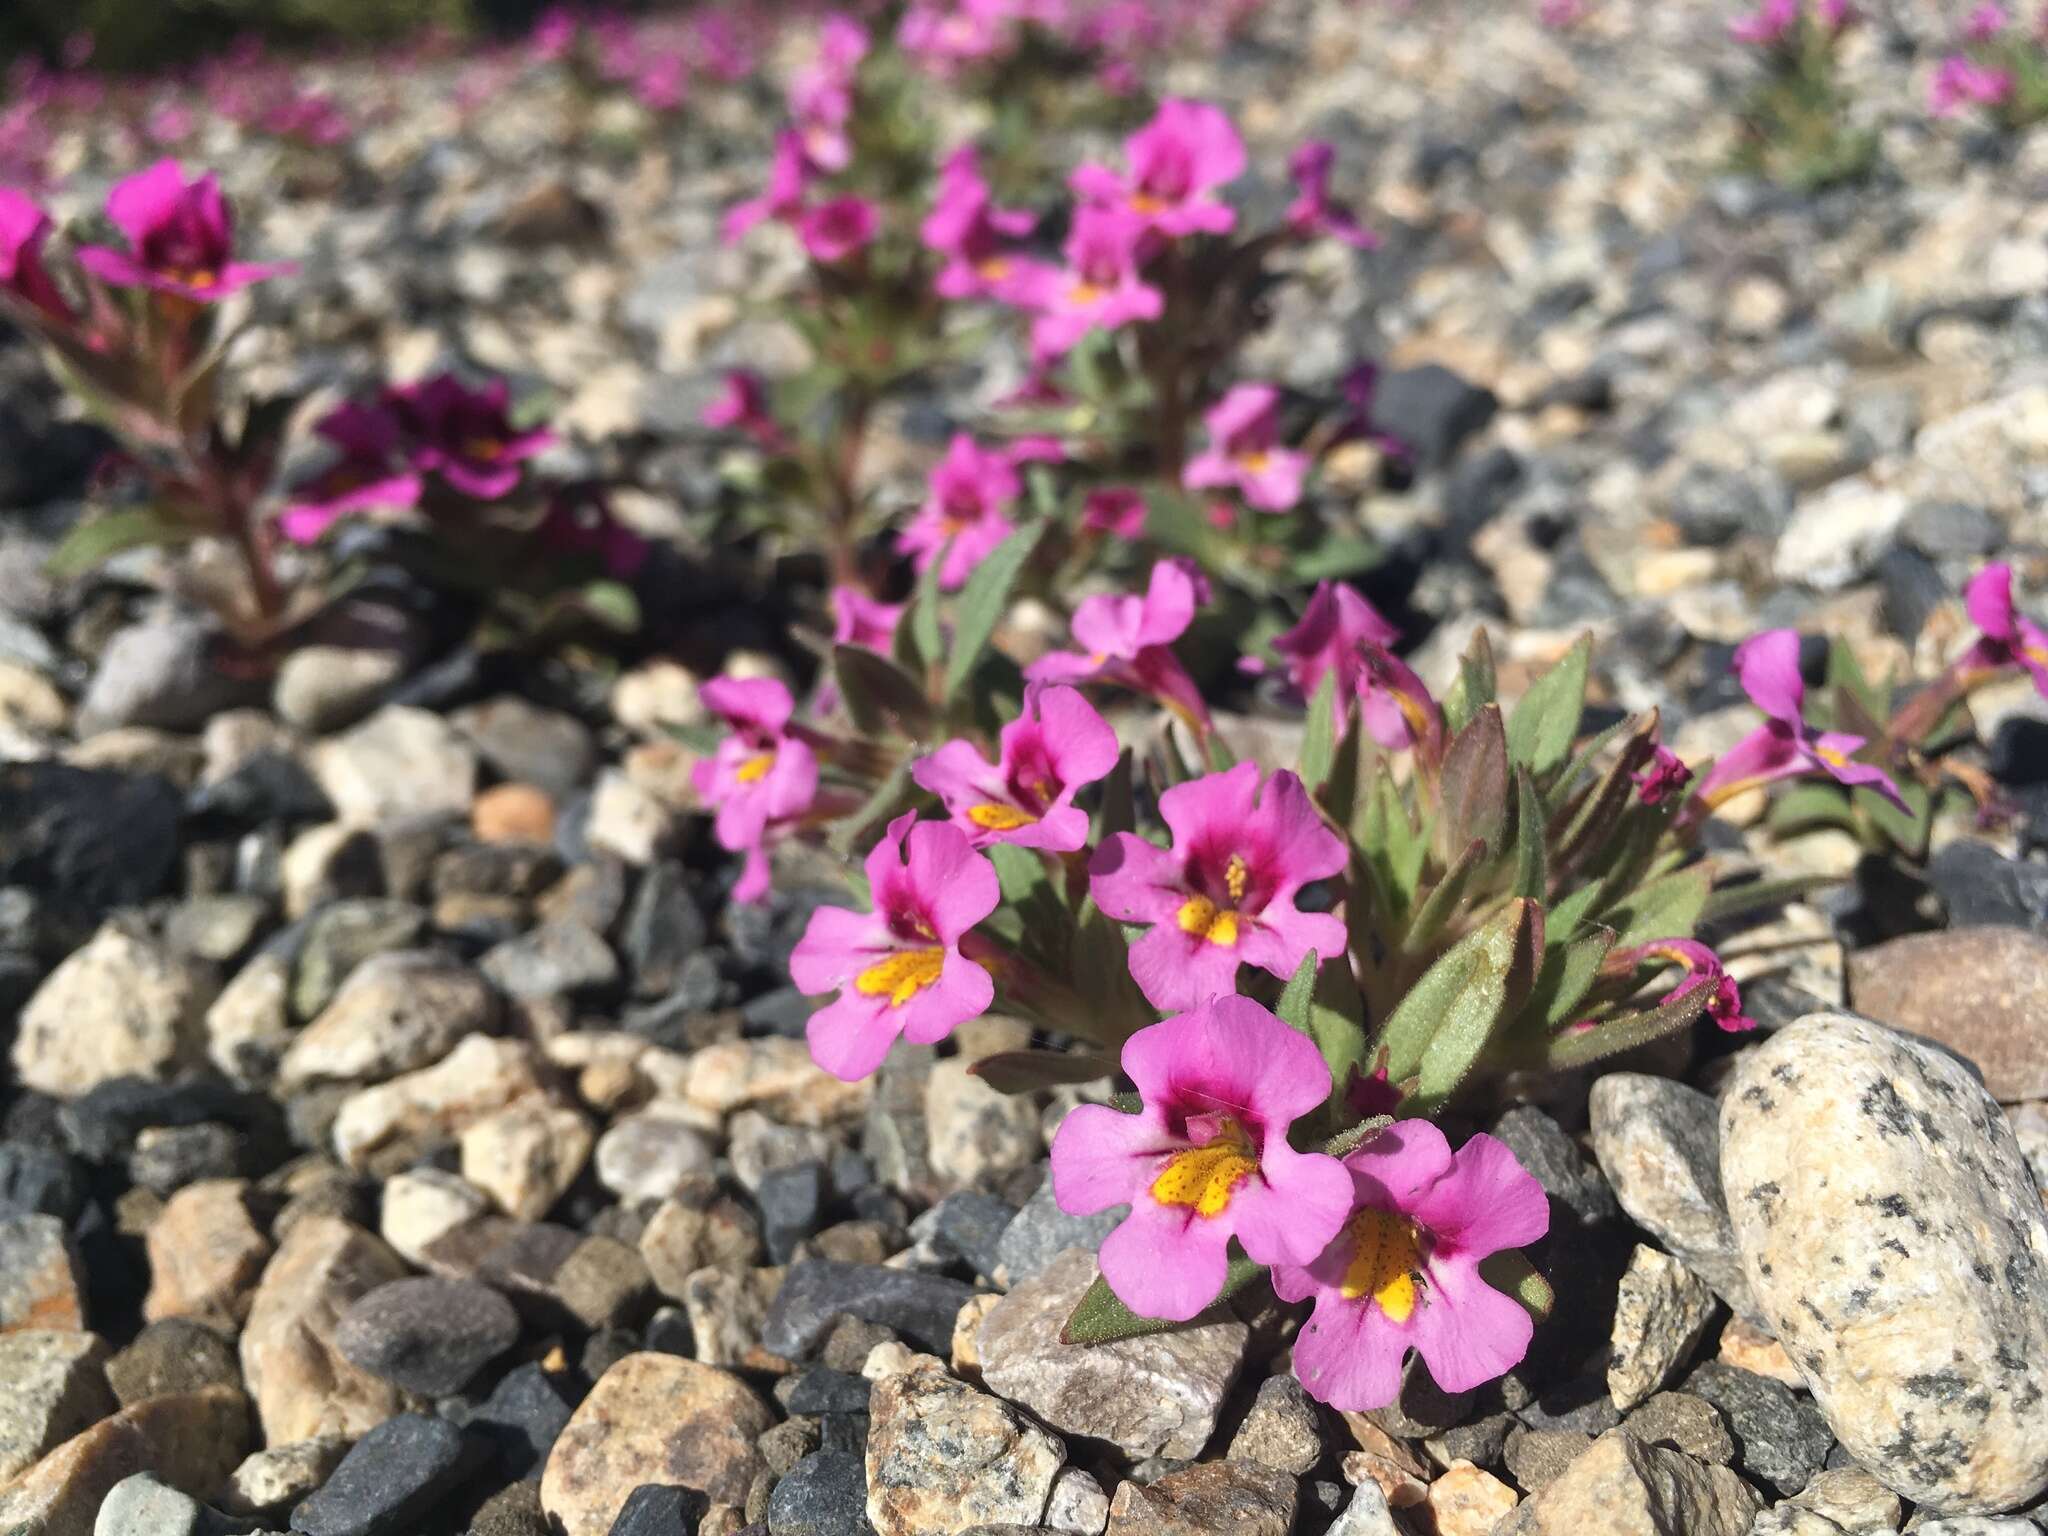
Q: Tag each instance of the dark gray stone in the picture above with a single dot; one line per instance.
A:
(1951, 530)
(1042, 1232)
(827, 1495)
(554, 960)
(512, 1511)
(521, 1420)
(792, 1202)
(971, 1224)
(663, 930)
(390, 1479)
(429, 1336)
(654, 1509)
(1780, 1437)
(101, 839)
(1978, 884)
(268, 786)
(822, 1390)
(1573, 1181)
(1431, 410)
(175, 1355)
(40, 1181)
(922, 1308)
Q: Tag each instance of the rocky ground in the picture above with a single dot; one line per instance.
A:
(404, 1136)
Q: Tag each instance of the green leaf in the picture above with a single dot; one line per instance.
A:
(1102, 976)
(1730, 901)
(1800, 807)
(1027, 1071)
(1563, 917)
(1099, 1318)
(1440, 992)
(1505, 966)
(1336, 1022)
(1335, 557)
(1569, 971)
(1443, 900)
(1908, 831)
(1474, 687)
(923, 627)
(890, 798)
(1546, 721)
(612, 604)
(1510, 1272)
(1115, 812)
(1299, 992)
(983, 601)
(1610, 1037)
(94, 543)
(1560, 791)
(1340, 789)
(1668, 907)
(1473, 787)
(1531, 873)
(1319, 737)
(881, 697)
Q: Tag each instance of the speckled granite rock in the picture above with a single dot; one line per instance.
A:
(1894, 1238)
(941, 1454)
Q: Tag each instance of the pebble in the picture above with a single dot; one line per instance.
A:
(1685, 1423)
(142, 1506)
(99, 839)
(321, 688)
(41, 1286)
(1041, 1232)
(513, 1511)
(626, 820)
(269, 1482)
(516, 814)
(941, 1455)
(398, 1011)
(1469, 1501)
(1749, 1348)
(122, 1006)
(248, 1027)
(1982, 992)
(36, 1180)
(526, 744)
(1852, 1498)
(1366, 1515)
(1241, 1497)
(477, 1078)
(680, 1239)
(161, 673)
(1621, 1487)
(423, 1206)
(174, 1356)
(1156, 1395)
(1571, 1180)
(427, 1335)
(560, 957)
(1536, 1458)
(775, 1076)
(1780, 1438)
(341, 937)
(522, 1418)
(526, 1156)
(1078, 1505)
(975, 1131)
(56, 1387)
(205, 1255)
(815, 1294)
(1283, 1428)
(824, 1495)
(1659, 1145)
(1896, 1242)
(653, 1418)
(652, 1156)
(302, 1383)
(388, 1482)
(1660, 1316)
(401, 762)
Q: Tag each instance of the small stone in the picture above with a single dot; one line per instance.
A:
(1982, 992)
(941, 1455)
(40, 1181)
(557, 959)
(479, 1077)
(922, 1308)
(1366, 1515)
(164, 673)
(1554, 1160)
(1622, 1487)
(1468, 1501)
(205, 1255)
(400, 763)
(303, 1385)
(626, 820)
(824, 1496)
(171, 1357)
(976, 1131)
(388, 1481)
(1791, 1520)
(653, 1418)
(525, 1157)
(656, 1509)
(321, 688)
(1660, 1316)
(1748, 1348)
(56, 1387)
(1042, 1232)
(1684, 1423)
(652, 1156)
(424, 1206)
(1780, 1438)
(1157, 1395)
(775, 1076)
(1838, 535)
(1283, 1430)
(270, 1482)
(142, 1506)
(120, 1007)
(428, 1336)
(1896, 1241)
(216, 928)
(663, 930)
(98, 839)
(522, 1418)
(41, 1286)
(330, 862)
(1537, 1458)
(728, 1311)
(513, 1511)
(513, 813)
(343, 936)
(1078, 1505)
(248, 1027)
(397, 1012)
(1240, 1497)
(525, 743)
(757, 1146)
(1853, 1499)
(62, 1493)
(679, 1240)
(1659, 1144)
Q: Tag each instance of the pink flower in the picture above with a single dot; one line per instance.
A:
(1117, 510)
(965, 515)
(742, 407)
(967, 229)
(1244, 451)
(581, 526)
(867, 622)
(1206, 1159)
(1099, 289)
(367, 476)
(1055, 747)
(554, 34)
(760, 775)
(1403, 1270)
(1128, 640)
(1224, 893)
(1986, 22)
(1960, 82)
(181, 237)
(24, 228)
(789, 177)
(464, 435)
(2010, 638)
(1178, 161)
(1666, 776)
(1782, 747)
(1561, 13)
(1340, 630)
(1312, 213)
(1702, 968)
(821, 94)
(898, 968)
(1768, 25)
(945, 34)
(837, 229)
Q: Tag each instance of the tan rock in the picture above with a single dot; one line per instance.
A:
(727, 1309)
(397, 1012)
(653, 1419)
(1622, 1487)
(966, 1351)
(122, 1006)
(1390, 1465)
(1749, 1348)
(525, 1157)
(1467, 1501)
(975, 1130)
(942, 1456)
(1238, 1497)
(205, 1255)
(774, 1075)
(40, 1282)
(1661, 1314)
(302, 1385)
(248, 1027)
(61, 1494)
(1982, 992)
(272, 1481)
(679, 1240)
(479, 1077)
(196, 1439)
(424, 1206)
(56, 1387)
(513, 813)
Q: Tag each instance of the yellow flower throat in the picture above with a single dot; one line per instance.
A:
(1204, 919)
(1386, 1262)
(1204, 1178)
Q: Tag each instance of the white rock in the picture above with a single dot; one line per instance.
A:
(397, 1012)
(526, 1157)
(401, 762)
(648, 1156)
(120, 1007)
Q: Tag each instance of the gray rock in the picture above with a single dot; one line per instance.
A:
(1571, 1179)
(1852, 1498)
(161, 673)
(1536, 1458)
(1974, 1525)
(1684, 1423)
(1951, 530)
(521, 1419)
(651, 1155)
(526, 744)
(40, 1181)
(825, 1496)
(1981, 992)
(388, 1482)
(815, 1294)
(1366, 1515)
(340, 937)
(1659, 1144)
(657, 1509)
(142, 1506)
(400, 763)
(1283, 1428)
(1780, 1438)
(56, 1386)
(1896, 1242)
(1622, 1487)
(322, 688)
(1042, 1232)
(426, 1335)
(554, 960)
(941, 1455)
(1660, 1316)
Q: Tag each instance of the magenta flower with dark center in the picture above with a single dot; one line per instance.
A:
(1245, 453)
(2008, 637)
(1206, 1159)
(181, 238)
(837, 229)
(759, 777)
(1128, 642)
(1340, 631)
(24, 229)
(742, 407)
(369, 475)
(898, 968)
(1961, 82)
(1117, 510)
(1099, 288)
(1055, 747)
(1178, 162)
(580, 524)
(1223, 895)
(966, 513)
(821, 94)
(974, 235)
(868, 622)
(464, 435)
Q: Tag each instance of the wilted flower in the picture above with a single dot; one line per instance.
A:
(1056, 746)
(1666, 776)
(1178, 162)
(24, 228)
(966, 513)
(1223, 894)
(465, 435)
(898, 968)
(1244, 451)
(2009, 638)
(369, 475)
(1702, 967)
(1403, 1271)
(1312, 213)
(1206, 1159)
(1128, 641)
(1099, 289)
(181, 237)
(760, 775)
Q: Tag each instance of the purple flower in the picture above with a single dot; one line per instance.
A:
(1206, 1159)
(1128, 640)
(1702, 967)
(1782, 747)
(1960, 82)
(464, 435)
(966, 513)
(760, 776)
(838, 228)
(1768, 25)
(742, 407)
(945, 34)
(24, 228)
(1244, 451)
(867, 622)
(369, 474)
(1115, 509)
(1340, 630)
(898, 968)
(821, 94)
(1055, 747)
(1312, 213)
(970, 231)
(1223, 894)
(1178, 162)
(1403, 1271)
(1099, 289)
(2009, 638)
(1985, 22)
(1666, 776)
(789, 177)
(181, 237)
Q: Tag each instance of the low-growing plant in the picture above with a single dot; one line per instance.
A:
(1796, 122)
(2000, 67)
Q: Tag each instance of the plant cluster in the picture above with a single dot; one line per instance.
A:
(1796, 121)
(2001, 68)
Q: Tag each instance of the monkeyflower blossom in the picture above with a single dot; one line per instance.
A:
(1244, 451)
(970, 231)
(368, 476)
(837, 229)
(465, 435)
(1056, 746)
(1402, 1272)
(1099, 288)
(1702, 967)
(867, 622)
(24, 228)
(1312, 212)
(966, 512)
(1986, 22)
(181, 236)
(2009, 639)
(1206, 1159)
(1223, 894)
(1666, 776)
(1768, 25)
(1178, 162)
(760, 775)
(789, 177)
(1782, 747)
(1117, 510)
(742, 407)
(821, 94)
(1961, 82)
(1341, 631)
(1128, 642)
(898, 968)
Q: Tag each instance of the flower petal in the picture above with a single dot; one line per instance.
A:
(1349, 1355)
(1486, 1203)
(1467, 1332)
(1295, 1206)
(1166, 1263)
(1101, 1157)
(849, 1038)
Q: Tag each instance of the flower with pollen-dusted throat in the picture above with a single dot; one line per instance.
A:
(760, 775)
(1224, 893)
(181, 238)
(1403, 1271)
(1205, 1159)
(1054, 747)
(898, 969)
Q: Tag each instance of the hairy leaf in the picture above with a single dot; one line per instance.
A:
(93, 543)
(1754, 895)
(1569, 971)
(1667, 908)
(983, 601)
(881, 697)
(1624, 1033)
(1546, 721)
(1474, 787)
(1511, 1273)
(1299, 992)
(1503, 968)
(1026, 1071)
(1099, 1318)
(1319, 734)
(1531, 866)
(1474, 687)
